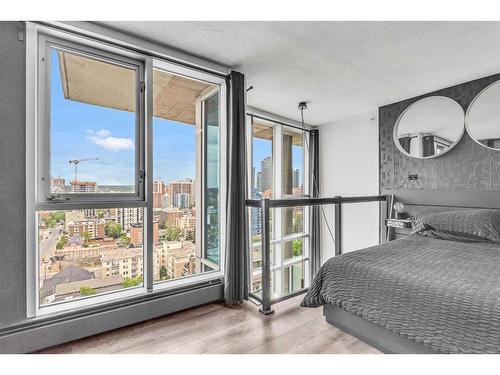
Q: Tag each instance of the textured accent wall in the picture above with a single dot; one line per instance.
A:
(467, 166)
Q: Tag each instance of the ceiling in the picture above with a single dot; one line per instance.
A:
(341, 68)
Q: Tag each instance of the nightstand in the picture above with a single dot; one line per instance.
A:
(398, 223)
(397, 228)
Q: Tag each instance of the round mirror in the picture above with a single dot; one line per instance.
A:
(483, 117)
(429, 127)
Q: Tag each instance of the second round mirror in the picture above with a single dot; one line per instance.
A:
(483, 117)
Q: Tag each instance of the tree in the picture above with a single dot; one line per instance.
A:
(100, 213)
(125, 240)
(172, 234)
(87, 291)
(132, 281)
(53, 218)
(62, 241)
(163, 273)
(297, 248)
(86, 238)
(190, 237)
(113, 229)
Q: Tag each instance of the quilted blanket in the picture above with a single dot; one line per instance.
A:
(441, 293)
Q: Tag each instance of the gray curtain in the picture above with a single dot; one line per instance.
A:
(237, 260)
(428, 145)
(315, 210)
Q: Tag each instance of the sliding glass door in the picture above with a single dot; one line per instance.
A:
(186, 182)
(278, 161)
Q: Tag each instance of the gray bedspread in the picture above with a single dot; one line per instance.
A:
(440, 293)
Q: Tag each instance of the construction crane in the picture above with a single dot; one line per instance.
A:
(78, 161)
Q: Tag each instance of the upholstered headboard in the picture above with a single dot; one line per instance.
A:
(424, 201)
(431, 200)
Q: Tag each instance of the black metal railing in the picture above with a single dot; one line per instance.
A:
(265, 205)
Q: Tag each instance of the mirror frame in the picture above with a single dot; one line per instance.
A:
(401, 116)
(467, 114)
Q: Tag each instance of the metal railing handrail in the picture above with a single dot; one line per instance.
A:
(266, 204)
(293, 202)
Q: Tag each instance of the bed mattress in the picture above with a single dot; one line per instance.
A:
(440, 293)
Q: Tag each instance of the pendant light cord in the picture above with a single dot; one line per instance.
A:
(315, 182)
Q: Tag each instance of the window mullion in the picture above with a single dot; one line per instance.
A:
(148, 168)
(278, 214)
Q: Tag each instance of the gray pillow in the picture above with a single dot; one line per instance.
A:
(479, 223)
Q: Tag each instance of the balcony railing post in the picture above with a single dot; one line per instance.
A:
(266, 258)
(338, 226)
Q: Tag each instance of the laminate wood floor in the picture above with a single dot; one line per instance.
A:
(217, 328)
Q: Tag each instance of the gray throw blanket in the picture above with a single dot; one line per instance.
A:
(441, 293)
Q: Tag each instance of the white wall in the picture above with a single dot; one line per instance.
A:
(349, 167)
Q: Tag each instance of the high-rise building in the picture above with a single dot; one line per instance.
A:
(296, 178)
(256, 216)
(158, 189)
(170, 217)
(136, 233)
(187, 224)
(266, 168)
(187, 186)
(253, 178)
(166, 201)
(129, 215)
(182, 200)
(83, 186)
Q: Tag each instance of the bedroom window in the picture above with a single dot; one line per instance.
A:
(186, 147)
(278, 161)
(126, 176)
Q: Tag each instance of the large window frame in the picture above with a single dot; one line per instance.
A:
(200, 168)
(278, 264)
(40, 39)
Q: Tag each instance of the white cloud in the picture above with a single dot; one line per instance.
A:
(103, 133)
(104, 139)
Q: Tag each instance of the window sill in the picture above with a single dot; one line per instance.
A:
(87, 311)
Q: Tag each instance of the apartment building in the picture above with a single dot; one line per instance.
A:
(123, 262)
(94, 227)
(83, 186)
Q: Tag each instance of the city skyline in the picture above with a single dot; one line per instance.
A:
(262, 148)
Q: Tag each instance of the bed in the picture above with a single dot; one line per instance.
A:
(434, 291)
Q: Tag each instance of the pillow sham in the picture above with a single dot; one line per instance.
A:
(483, 224)
(450, 236)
